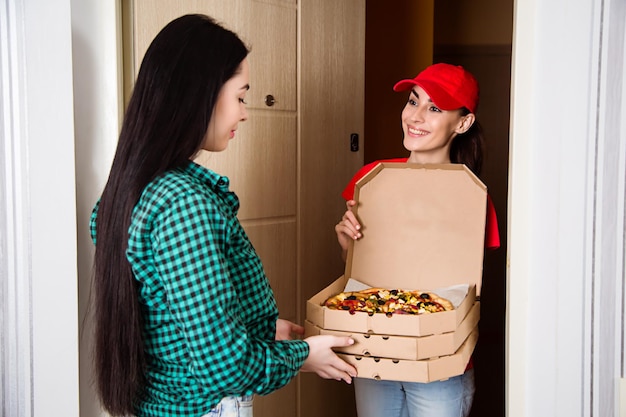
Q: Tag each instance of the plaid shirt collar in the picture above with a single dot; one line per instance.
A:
(219, 183)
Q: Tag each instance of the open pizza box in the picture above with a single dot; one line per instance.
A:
(423, 229)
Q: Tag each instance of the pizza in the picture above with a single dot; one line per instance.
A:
(389, 302)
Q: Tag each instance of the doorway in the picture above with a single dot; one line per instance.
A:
(400, 42)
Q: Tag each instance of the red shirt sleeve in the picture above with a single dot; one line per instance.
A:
(492, 233)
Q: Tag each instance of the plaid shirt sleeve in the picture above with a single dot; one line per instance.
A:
(216, 296)
(208, 310)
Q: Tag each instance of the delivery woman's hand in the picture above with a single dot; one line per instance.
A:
(348, 228)
(286, 329)
(324, 362)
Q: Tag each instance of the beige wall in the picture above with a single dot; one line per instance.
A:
(398, 44)
(475, 22)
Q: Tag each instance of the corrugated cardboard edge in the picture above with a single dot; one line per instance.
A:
(402, 347)
(401, 165)
(429, 370)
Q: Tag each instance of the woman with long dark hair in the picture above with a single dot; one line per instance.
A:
(440, 127)
(186, 323)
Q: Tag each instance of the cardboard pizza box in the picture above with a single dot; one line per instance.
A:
(423, 228)
(400, 325)
(403, 347)
(428, 370)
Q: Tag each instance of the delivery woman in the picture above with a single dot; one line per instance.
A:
(440, 127)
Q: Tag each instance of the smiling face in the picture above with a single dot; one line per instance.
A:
(230, 109)
(428, 130)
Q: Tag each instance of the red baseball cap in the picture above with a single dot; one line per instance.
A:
(450, 87)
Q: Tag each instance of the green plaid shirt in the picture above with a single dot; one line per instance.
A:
(209, 312)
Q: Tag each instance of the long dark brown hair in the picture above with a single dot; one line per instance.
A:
(166, 120)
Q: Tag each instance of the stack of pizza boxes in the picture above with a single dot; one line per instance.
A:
(423, 229)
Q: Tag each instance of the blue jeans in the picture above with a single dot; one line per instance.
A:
(450, 398)
(232, 407)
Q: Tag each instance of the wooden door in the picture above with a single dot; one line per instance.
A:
(261, 161)
(331, 110)
(267, 27)
(290, 159)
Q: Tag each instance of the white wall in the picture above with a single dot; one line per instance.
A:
(97, 94)
(566, 209)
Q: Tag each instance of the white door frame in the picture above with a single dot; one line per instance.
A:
(39, 354)
(566, 209)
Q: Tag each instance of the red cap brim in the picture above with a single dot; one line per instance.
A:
(438, 96)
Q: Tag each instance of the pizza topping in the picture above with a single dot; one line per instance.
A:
(389, 302)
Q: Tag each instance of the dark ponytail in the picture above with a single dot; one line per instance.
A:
(468, 148)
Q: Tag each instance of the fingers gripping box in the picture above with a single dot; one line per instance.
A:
(423, 229)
